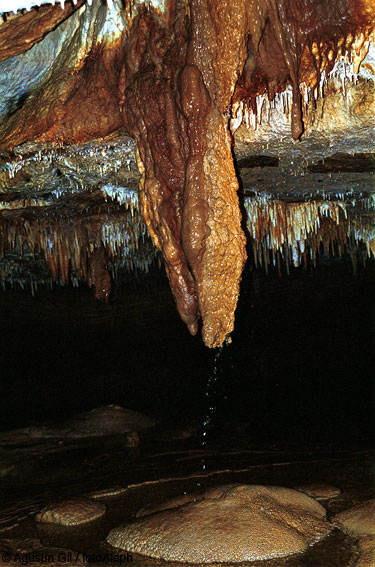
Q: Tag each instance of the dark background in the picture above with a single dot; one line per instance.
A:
(300, 368)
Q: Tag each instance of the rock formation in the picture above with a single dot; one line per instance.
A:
(228, 524)
(180, 76)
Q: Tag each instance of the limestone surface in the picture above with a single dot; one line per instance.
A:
(358, 520)
(71, 512)
(231, 524)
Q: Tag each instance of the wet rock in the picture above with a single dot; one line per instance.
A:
(358, 520)
(71, 512)
(231, 524)
(18, 33)
(53, 106)
(367, 551)
(319, 491)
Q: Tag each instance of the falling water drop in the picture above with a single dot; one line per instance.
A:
(211, 395)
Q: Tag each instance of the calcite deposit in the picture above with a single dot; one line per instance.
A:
(230, 524)
(181, 77)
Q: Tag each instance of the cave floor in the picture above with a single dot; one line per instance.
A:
(126, 479)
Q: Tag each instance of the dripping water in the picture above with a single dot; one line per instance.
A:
(211, 394)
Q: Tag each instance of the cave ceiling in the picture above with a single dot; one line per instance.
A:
(196, 132)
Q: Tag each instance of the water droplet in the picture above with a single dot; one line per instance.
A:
(210, 393)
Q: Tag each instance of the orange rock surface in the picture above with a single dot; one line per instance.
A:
(19, 32)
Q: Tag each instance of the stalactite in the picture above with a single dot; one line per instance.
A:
(289, 229)
(81, 246)
(182, 76)
(98, 274)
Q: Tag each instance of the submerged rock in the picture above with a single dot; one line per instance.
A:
(358, 520)
(231, 524)
(71, 512)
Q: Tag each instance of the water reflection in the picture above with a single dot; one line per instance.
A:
(93, 240)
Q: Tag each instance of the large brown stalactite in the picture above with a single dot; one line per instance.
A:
(177, 88)
(177, 92)
(215, 243)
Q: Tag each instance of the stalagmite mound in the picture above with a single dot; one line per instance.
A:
(72, 512)
(231, 524)
(181, 76)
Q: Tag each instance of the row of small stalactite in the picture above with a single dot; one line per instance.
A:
(70, 247)
(294, 233)
(280, 233)
(342, 66)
